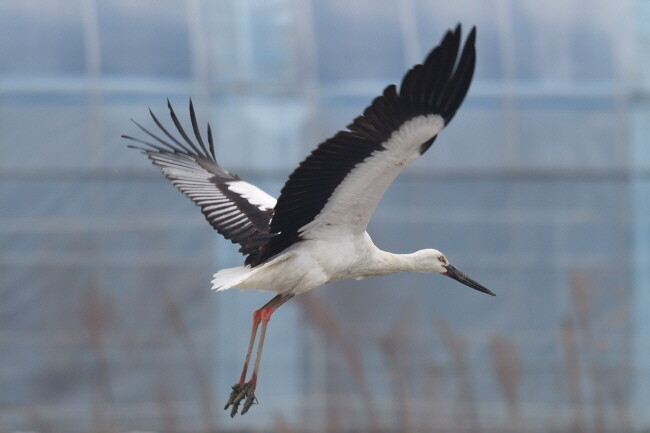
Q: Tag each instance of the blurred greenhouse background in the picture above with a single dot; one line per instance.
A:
(539, 189)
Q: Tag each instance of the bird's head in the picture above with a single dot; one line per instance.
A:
(434, 261)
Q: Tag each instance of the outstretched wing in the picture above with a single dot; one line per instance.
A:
(339, 185)
(238, 210)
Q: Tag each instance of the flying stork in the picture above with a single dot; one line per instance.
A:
(315, 232)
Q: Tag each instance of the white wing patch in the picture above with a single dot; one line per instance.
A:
(354, 200)
(253, 194)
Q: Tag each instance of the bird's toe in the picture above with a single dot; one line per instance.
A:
(250, 400)
(241, 392)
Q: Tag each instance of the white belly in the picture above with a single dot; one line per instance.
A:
(312, 263)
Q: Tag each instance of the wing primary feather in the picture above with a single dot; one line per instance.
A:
(195, 127)
(131, 146)
(408, 85)
(448, 61)
(432, 69)
(391, 91)
(180, 129)
(211, 142)
(391, 103)
(441, 60)
(171, 137)
(458, 28)
(154, 136)
(462, 77)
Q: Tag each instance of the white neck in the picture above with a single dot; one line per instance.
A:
(390, 263)
(375, 261)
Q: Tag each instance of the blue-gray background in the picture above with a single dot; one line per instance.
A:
(539, 189)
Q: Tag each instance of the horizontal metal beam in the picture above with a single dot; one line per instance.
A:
(414, 173)
(108, 86)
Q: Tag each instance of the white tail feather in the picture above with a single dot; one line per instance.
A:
(230, 277)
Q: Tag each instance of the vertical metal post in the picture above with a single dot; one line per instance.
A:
(640, 167)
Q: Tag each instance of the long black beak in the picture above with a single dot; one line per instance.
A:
(461, 277)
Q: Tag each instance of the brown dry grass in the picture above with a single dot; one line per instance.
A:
(592, 379)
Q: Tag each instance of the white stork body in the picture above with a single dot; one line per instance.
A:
(315, 232)
(335, 245)
(307, 265)
(315, 262)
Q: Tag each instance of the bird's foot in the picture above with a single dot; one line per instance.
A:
(241, 391)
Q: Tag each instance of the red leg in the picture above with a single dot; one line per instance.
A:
(238, 388)
(251, 342)
(242, 390)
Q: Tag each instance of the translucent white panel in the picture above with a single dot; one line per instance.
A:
(556, 135)
(571, 138)
(571, 41)
(273, 32)
(345, 29)
(41, 38)
(260, 134)
(61, 134)
(537, 189)
(140, 38)
(116, 120)
(256, 46)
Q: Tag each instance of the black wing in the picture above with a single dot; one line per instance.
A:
(342, 181)
(236, 209)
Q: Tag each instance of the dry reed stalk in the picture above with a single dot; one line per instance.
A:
(581, 290)
(165, 397)
(553, 423)
(282, 426)
(392, 344)
(38, 421)
(600, 375)
(178, 323)
(320, 316)
(95, 313)
(435, 384)
(620, 381)
(573, 375)
(509, 373)
(582, 294)
(333, 407)
(467, 412)
(618, 390)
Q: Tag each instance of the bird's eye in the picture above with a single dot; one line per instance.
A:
(442, 259)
